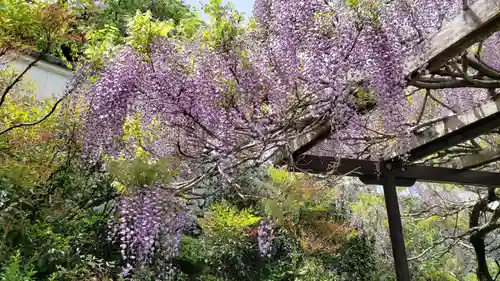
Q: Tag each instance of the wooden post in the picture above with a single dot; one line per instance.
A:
(395, 228)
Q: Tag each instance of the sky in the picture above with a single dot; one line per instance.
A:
(245, 6)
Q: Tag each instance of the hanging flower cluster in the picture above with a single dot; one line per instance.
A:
(303, 61)
(148, 228)
(265, 237)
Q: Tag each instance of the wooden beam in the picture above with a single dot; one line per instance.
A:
(325, 164)
(368, 169)
(476, 160)
(436, 136)
(454, 130)
(474, 24)
(301, 143)
(450, 176)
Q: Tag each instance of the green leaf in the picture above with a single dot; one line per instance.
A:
(279, 176)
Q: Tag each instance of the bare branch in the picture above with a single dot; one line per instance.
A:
(441, 103)
(53, 109)
(19, 77)
(482, 67)
(446, 83)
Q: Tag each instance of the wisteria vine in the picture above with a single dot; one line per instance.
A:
(304, 64)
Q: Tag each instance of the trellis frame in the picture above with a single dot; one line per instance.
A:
(475, 23)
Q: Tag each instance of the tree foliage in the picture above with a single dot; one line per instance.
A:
(37, 26)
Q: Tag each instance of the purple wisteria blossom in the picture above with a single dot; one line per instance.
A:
(218, 106)
(148, 228)
(228, 104)
(265, 237)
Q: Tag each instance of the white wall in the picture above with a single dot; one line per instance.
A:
(49, 79)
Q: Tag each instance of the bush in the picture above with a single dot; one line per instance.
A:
(14, 271)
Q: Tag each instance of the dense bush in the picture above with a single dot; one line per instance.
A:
(59, 223)
(54, 207)
(311, 238)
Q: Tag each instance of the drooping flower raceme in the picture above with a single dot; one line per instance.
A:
(302, 62)
(265, 237)
(148, 228)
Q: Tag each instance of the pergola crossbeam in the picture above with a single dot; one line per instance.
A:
(476, 23)
(366, 169)
(301, 143)
(454, 130)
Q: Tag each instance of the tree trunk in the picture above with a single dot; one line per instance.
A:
(477, 239)
(482, 271)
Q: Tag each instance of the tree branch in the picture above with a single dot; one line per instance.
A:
(446, 83)
(441, 103)
(482, 67)
(19, 77)
(53, 109)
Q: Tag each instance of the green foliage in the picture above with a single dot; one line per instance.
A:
(118, 11)
(20, 24)
(314, 270)
(225, 250)
(435, 271)
(63, 218)
(68, 29)
(364, 100)
(225, 26)
(14, 272)
(189, 26)
(135, 23)
(25, 153)
(313, 241)
(53, 206)
(367, 9)
(101, 43)
(16, 20)
(88, 268)
(226, 227)
(357, 258)
(37, 26)
(142, 29)
(279, 176)
(138, 29)
(139, 172)
(290, 197)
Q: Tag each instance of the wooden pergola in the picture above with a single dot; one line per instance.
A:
(475, 23)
